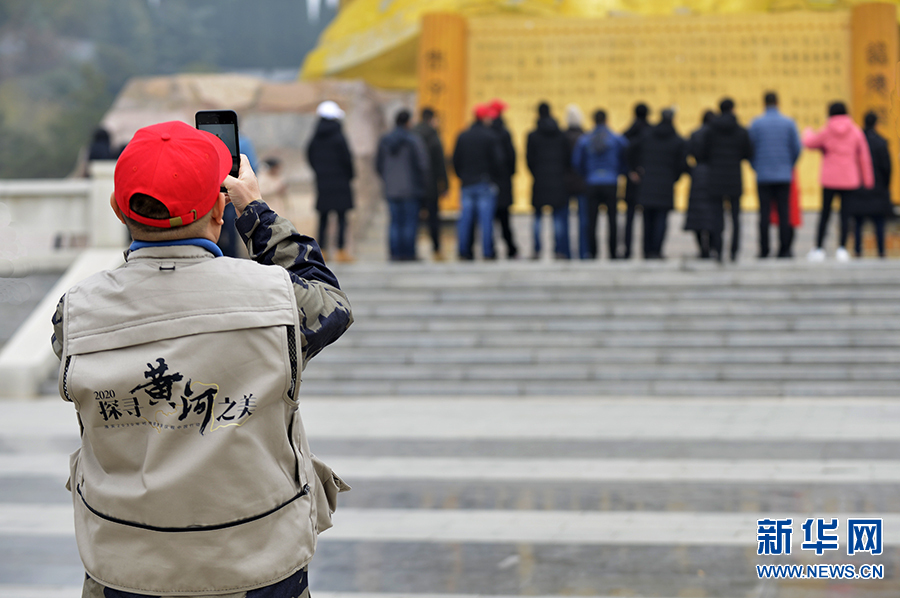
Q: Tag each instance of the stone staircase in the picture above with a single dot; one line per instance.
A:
(676, 328)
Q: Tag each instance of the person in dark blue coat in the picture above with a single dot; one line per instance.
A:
(776, 147)
(725, 145)
(547, 156)
(659, 157)
(599, 158)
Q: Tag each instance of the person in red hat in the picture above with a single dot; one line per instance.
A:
(194, 474)
(477, 160)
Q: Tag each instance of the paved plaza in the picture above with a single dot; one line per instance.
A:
(539, 496)
(550, 429)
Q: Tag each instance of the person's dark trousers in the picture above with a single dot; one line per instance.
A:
(341, 228)
(735, 209)
(655, 223)
(501, 215)
(845, 218)
(630, 207)
(228, 238)
(479, 203)
(825, 214)
(716, 243)
(878, 221)
(560, 232)
(583, 228)
(779, 193)
(433, 221)
(703, 243)
(403, 228)
(597, 195)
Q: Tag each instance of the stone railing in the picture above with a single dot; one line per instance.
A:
(52, 225)
(40, 218)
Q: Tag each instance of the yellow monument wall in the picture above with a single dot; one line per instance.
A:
(688, 63)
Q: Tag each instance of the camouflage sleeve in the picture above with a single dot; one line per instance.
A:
(56, 339)
(324, 310)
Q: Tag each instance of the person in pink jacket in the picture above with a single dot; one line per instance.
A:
(846, 167)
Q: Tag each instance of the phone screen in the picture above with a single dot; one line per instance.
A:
(223, 124)
(224, 132)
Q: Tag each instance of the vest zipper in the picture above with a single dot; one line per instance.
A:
(191, 528)
(66, 379)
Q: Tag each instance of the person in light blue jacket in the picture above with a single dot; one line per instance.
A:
(599, 157)
(776, 147)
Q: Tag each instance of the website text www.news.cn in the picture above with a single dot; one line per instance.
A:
(845, 571)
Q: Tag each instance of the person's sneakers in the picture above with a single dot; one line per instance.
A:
(816, 255)
(841, 255)
(344, 257)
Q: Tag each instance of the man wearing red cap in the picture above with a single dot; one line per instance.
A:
(477, 161)
(194, 474)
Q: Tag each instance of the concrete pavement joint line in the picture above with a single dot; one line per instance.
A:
(542, 418)
(494, 526)
(38, 591)
(607, 470)
(319, 594)
(567, 418)
(738, 471)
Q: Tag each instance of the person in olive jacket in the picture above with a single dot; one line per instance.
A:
(725, 145)
(659, 157)
(329, 157)
(437, 182)
(547, 155)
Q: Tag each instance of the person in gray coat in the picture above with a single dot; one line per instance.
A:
(437, 184)
(402, 162)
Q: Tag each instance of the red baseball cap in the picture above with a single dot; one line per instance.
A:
(176, 164)
(483, 111)
(498, 106)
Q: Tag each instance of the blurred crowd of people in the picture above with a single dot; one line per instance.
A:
(595, 169)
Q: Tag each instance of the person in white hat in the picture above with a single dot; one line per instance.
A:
(330, 158)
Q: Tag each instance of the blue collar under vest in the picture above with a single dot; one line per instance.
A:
(204, 243)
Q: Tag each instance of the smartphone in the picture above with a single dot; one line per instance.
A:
(224, 125)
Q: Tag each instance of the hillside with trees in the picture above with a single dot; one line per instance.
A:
(62, 63)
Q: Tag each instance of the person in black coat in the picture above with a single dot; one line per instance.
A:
(637, 128)
(874, 203)
(659, 159)
(547, 155)
(437, 183)
(575, 185)
(504, 180)
(724, 146)
(704, 214)
(329, 157)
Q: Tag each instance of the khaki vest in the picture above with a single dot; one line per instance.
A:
(194, 475)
